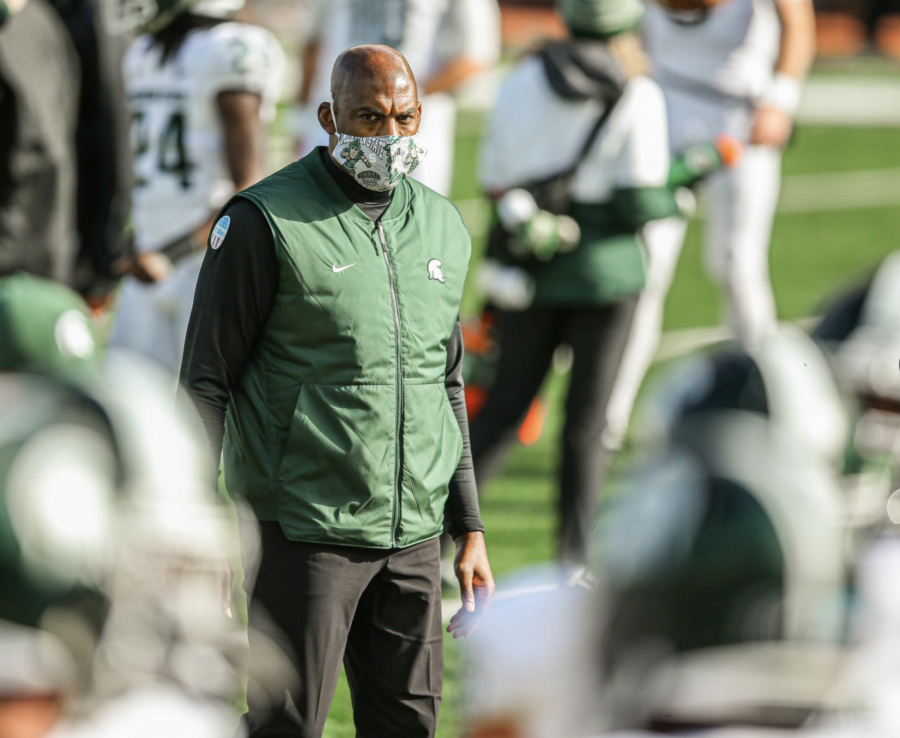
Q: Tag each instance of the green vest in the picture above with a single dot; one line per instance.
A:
(340, 427)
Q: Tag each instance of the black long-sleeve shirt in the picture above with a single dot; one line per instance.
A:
(235, 293)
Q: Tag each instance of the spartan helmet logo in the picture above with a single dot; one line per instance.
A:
(434, 270)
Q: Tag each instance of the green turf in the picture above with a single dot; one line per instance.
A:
(813, 254)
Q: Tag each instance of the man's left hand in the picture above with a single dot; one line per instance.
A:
(771, 127)
(476, 583)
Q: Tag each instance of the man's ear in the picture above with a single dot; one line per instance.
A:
(419, 108)
(326, 119)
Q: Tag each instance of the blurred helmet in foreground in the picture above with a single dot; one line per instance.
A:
(526, 673)
(863, 332)
(722, 584)
(45, 328)
(166, 621)
(788, 382)
(59, 510)
(112, 541)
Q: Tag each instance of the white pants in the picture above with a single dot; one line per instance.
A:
(740, 206)
(152, 319)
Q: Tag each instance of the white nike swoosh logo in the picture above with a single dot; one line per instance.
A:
(337, 270)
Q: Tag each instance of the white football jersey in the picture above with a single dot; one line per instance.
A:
(732, 52)
(533, 133)
(181, 172)
(427, 32)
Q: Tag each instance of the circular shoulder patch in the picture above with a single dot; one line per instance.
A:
(219, 231)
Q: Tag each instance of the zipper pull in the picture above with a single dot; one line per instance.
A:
(381, 236)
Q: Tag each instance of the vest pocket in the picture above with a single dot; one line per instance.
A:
(336, 477)
(432, 447)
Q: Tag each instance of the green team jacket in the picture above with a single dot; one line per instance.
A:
(340, 427)
(609, 263)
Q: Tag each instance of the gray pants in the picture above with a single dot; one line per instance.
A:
(378, 611)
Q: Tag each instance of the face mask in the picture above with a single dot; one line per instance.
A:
(378, 163)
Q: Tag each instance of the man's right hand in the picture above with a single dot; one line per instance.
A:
(476, 583)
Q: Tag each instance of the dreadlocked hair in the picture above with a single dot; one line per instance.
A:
(172, 35)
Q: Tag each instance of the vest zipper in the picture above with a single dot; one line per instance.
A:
(398, 387)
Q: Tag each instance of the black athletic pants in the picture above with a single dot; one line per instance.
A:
(527, 341)
(377, 611)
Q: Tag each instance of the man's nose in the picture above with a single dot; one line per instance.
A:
(389, 127)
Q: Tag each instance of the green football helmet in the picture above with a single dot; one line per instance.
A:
(45, 328)
(723, 583)
(59, 508)
(862, 331)
(111, 532)
(788, 381)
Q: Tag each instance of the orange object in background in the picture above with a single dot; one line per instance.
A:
(533, 425)
(887, 36)
(480, 362)
(476, 396)
(840, 35)
(730, 149)
(524, 27)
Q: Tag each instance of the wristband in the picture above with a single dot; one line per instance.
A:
(784, 94)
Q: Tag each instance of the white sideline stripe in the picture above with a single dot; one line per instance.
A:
(850, 101)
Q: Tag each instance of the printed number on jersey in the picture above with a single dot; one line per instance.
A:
(160, 150)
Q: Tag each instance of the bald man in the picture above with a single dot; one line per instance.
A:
(324, 344)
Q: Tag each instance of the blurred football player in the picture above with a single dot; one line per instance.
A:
(447, 43)
(862, 330)
(723, 595)
(202, 90)
(112, 540)
(45, 329)
(734, 67)
(61, 107)
(721, 570)
(598, 177)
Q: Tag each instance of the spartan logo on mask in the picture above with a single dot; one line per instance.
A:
(434, 270)
(352, 154)
(387, 160)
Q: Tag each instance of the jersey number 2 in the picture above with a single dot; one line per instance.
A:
(172, 157)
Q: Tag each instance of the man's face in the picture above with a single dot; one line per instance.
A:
(376, 107)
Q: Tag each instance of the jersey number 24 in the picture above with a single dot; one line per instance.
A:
(171, 157)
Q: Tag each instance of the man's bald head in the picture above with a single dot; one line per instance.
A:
(374, 93)
(370, 63)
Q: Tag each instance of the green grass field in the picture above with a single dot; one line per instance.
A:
(813, 255)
